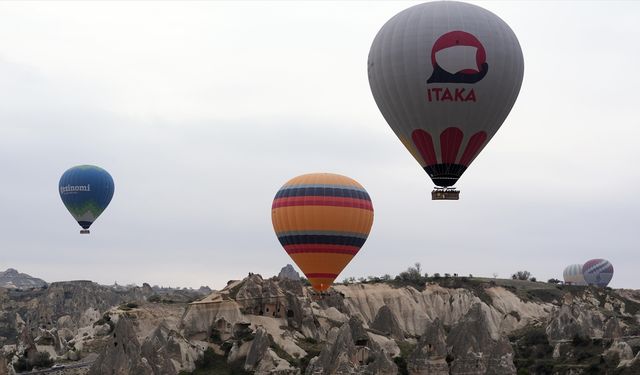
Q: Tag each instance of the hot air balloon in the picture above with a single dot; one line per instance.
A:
(86, 191)
(598, 272)
(322, 220)
(445, 75)
(573, 275)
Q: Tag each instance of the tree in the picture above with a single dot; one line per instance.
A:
(521, 275)
(413, 275)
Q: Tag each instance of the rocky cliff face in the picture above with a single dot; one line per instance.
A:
(289, 273)
(163, 352)
(122, 353)
(430, 355)
(12, 279)
(476, 347)
(448, 326)
(278, 326)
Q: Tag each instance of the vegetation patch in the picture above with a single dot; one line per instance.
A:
(402, 365)
(312, 347)
(295, 362)
(214, 364)
(406, 348)
(534, 354)
(42, 360)
(128, 306)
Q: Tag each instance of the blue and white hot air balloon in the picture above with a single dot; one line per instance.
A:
(86, 191)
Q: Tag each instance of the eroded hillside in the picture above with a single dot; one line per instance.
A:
(449, 325)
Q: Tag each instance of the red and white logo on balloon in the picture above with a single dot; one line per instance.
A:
(458, 57)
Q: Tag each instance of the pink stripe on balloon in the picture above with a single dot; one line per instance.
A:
(424, 144)
(473, 147)
(450, 141)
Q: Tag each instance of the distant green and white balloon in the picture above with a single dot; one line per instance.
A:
(86, 191)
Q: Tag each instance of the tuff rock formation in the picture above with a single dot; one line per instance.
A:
(4, 369)
(387, 323)
(448, 325)
(352, 352)
(12, 279)
(574, 320)
(167, 352)
(475, 347)
(122, 354)
(289, 273)
(429, 357)
(26, 347)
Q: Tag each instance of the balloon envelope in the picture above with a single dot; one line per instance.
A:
(322, 220)
(573, 275)
(445, 76)
(86, 191)
(598, 272)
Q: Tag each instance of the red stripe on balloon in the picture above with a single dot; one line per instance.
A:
(320, 248)
(424, 144)
(322, 201)
(450, 141)
(473, 147)
(321, 275)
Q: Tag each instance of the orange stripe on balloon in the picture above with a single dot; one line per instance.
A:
(321, 263)
(322, 218)
(321, 284)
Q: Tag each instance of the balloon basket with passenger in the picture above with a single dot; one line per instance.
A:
(445, 194)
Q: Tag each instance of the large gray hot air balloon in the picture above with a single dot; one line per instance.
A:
(573, 275)
(445, 76)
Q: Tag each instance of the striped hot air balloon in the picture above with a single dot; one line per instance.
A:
(322, 220)
(573, 275)
(598, 272)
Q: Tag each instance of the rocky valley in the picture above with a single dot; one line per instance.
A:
(436, 325)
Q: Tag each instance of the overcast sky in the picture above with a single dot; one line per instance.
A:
(202, 110)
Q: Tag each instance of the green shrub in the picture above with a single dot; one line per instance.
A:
(402, 365)
(214, 364)
(42, 360)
